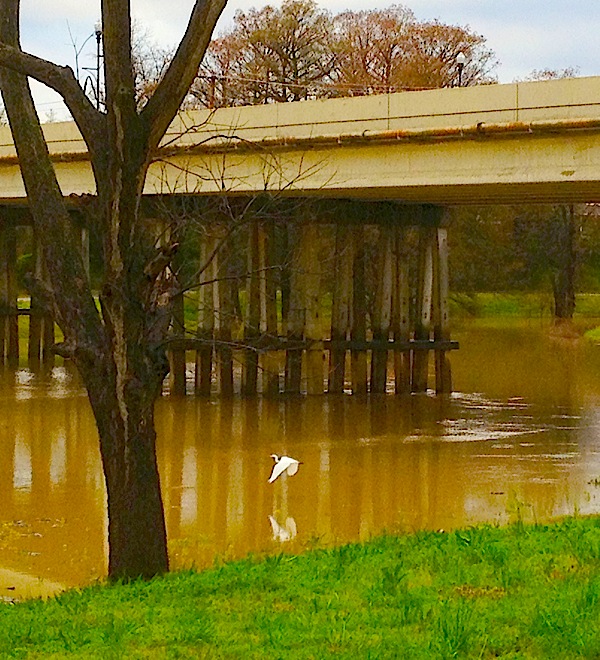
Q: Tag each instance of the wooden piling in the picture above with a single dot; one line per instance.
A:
(9, 296)
(225, 318)
(252, 315)
(420, 358)
(269, 360)
(382, 310)
(401, 311)
(341, 306)
(304, 314)
(441, 327)
(295, 314)
(206, 315)
(359, 312)
(313, 331)
(41, 324)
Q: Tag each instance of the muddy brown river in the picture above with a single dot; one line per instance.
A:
(519, 439)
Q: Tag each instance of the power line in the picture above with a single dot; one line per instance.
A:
(322, 85)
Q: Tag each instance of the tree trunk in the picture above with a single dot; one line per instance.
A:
(136, 305)
(121, 358)
(563, 279)
(120, 353)
(124, 416)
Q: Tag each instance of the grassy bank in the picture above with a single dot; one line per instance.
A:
(519, 305)
(516, 592)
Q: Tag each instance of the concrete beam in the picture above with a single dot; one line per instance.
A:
(523, 142)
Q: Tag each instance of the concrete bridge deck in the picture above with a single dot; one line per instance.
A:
(522, 142)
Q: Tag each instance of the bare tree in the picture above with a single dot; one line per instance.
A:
(271, 55)
(373, 48)
(433, 52)
(298, 51)
(553, 74)
(150, 62)
(389, 50)
(119, 350)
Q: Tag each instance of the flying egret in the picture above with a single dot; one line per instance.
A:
(283, 464)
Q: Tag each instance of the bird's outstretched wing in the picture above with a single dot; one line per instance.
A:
(278, 469)
(283, 464)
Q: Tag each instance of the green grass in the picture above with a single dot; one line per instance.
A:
(518, 304)
(486, 592)
(524, 305)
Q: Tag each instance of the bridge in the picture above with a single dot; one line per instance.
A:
(521, 142)
(371, 239)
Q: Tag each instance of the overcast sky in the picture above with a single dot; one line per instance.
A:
(524, 34)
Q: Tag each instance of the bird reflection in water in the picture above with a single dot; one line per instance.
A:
(285, 532)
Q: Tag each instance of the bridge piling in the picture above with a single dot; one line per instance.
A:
(226, 314)
(41, 325)
(322, 284)
(440, 312)
(253, 313)
(341, 301)
(420, 358)
(206, 311)
(401, 311)
(294, 319)
(382, 309)
(358, 331)
(382, 326)
(268, 292)
(9, 322)
(313, 330)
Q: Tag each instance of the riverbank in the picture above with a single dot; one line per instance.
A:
(519, 304)
(519, 591)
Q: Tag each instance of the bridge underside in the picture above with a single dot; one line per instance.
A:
(564, 192)
(457, 195)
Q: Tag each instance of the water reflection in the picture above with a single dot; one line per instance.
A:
(520, 440)
(51, 490)
(283, 532)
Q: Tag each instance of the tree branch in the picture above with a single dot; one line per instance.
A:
(71, 297)
(118, 65)
(62, 80)
(162, 107)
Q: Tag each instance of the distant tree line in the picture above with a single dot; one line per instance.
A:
(299, 51)
(530, 248)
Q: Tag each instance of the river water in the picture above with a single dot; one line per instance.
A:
(519, 439)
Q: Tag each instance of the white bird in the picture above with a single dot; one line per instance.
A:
(283, 464)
